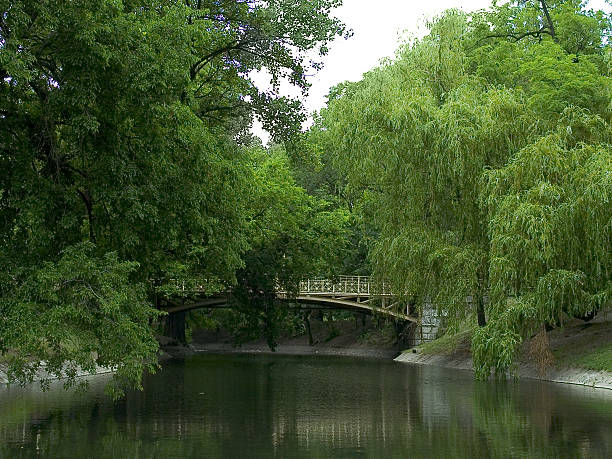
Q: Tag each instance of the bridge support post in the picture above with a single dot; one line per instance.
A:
(307, 324)
(405, 334)
(409, 335)
(175, 326)
(360, 317)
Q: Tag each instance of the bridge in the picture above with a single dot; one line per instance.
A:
(356, 293)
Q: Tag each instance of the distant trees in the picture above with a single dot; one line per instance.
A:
(292, 235)
(483, 155)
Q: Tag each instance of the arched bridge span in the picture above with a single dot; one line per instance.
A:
(356, 293)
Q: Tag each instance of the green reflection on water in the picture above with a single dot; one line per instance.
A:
(293, 407)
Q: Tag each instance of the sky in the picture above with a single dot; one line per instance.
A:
(377, 33)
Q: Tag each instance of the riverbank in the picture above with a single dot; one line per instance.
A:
(260, 348)
(340, 338)
(578, 352)
(577, 349)
(42, 374)
(348, 338)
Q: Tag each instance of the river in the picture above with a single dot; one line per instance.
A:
(273, 406)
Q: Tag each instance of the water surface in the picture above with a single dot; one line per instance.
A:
(261, 406)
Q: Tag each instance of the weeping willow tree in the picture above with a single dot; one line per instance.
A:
(453, 142)
(415, 136)
(550, 223)
(548, 209)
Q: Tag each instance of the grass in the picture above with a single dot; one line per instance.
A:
(599, 359)
(577, 345)
(587, 346)
(450, 343)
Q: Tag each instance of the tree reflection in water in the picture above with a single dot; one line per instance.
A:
(276, 406)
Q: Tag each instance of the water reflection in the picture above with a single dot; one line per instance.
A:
(293, 407)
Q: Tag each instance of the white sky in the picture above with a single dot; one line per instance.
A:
(378, 27)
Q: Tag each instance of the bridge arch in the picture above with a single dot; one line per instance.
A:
(358, 293)
(353, 293)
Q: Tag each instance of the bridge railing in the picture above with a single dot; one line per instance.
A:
(192, 287)
(350, 285)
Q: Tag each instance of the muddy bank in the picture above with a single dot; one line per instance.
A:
(259, 348)
(341, 338)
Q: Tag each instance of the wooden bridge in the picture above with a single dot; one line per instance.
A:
(356, 293)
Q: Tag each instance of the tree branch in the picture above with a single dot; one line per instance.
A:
(519, 36)
(551, 26)
(201, 63)
(87, 200)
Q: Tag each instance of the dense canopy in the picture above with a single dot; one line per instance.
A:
(123, 161)
(483, 156)
(474, 169)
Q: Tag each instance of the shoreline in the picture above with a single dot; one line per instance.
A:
(281, 349)
(568, 344)
(573, 376)
(41, 374)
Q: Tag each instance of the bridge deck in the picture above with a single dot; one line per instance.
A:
(346, 292)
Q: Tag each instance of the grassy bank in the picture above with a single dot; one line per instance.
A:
(587, 346)
(458, 343)
(577, 344)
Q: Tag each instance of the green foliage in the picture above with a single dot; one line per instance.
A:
(293, 236)
(452, 342)
(78, 312)
(119, 126)
(550, 222)
(416, 143)
(481, 154)
(315, 171)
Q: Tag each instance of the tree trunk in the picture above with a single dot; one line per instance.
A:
(308, 330)
(481, 312)
(175, 327)
(551, 26)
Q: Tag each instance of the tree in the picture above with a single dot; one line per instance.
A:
(314, 170)
(468, 149)
(539, 274)
(414, 135)
(118, 160)
(550, 223)
(294, 236)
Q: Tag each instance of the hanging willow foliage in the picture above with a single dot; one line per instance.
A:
(550, 224)
(484, 161)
